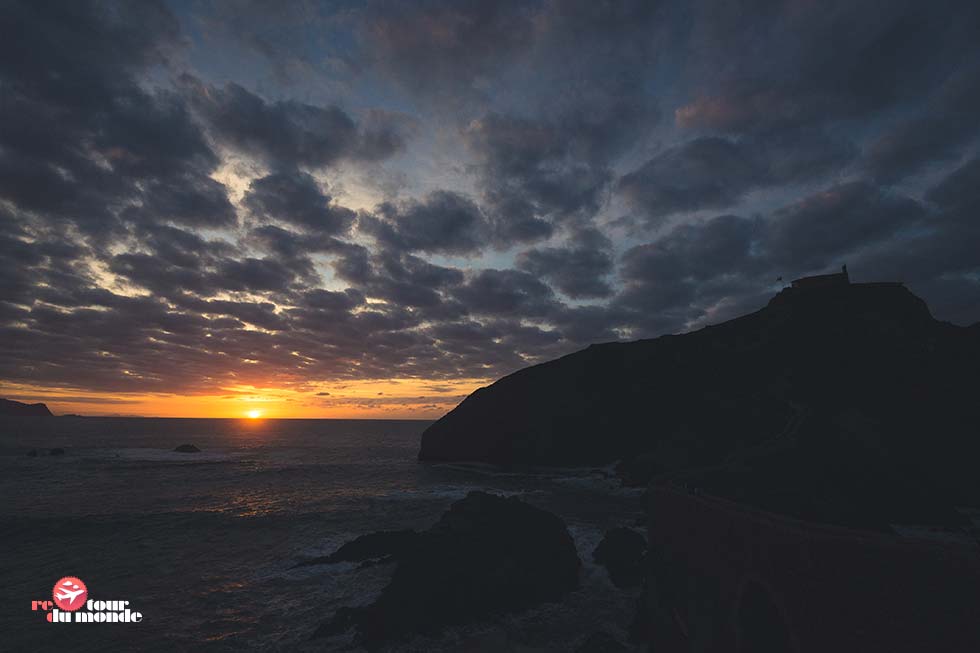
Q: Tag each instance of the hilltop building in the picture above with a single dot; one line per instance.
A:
(823, 280)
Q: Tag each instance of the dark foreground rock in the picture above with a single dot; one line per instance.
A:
(373, 546)
(187, 448)
(621, 553)
(733, 578)
(10, 408)
(57, 451)
(486, 555)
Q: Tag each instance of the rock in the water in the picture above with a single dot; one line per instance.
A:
(380, 545)
(57, 451)
(621, 553)
(187, 448)
(487, 555)
(32, 453)
(601, 642)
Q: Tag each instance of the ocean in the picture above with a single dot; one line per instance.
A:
(204, 545)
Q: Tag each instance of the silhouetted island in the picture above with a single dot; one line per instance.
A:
(10, 408)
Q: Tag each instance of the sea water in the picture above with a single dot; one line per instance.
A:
(204, 545)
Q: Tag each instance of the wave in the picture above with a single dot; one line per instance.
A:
(147, 454)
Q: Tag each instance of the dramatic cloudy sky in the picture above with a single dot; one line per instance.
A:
(369, 209)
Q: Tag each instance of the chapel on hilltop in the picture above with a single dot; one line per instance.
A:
(823, 280)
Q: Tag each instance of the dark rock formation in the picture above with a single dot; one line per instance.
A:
(732, 578)
(846, 403)
(57, 451)
(32, 453)
(373, 546)
(10, 408)
(487, 555)
(187, 448)
(621, 553)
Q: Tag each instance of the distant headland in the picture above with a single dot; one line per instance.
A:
(10, 408)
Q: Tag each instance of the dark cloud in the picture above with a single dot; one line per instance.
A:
(288, 133)
(254, 274)
(183, 248)
(703, 173)
(961, 189)
(332, 301)
(506, 293)
(768, 74)
(19, 261)
(82, 139)
(676, 281)
(292, 245)
(821, 229)
(431, 44)
(453, 52)
(83, 51)
(188, 199)
(579, 271)
(296, 198)
(791, 64)
(549, 163)
(402, 279)
(715, 172)
(260, 314)
(692, 252)
(443, 222)
(539, 174)
(178, 261)
(941, 130)
(272, 31)
(584, 325)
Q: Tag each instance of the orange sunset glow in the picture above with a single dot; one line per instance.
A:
(387, 399)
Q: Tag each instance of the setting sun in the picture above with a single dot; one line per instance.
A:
(254, 414)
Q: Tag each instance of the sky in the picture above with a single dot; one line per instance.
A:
(370, 209)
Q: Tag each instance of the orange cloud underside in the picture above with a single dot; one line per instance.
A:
(382, 399)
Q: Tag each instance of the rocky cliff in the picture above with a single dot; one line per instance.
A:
(853, 385)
